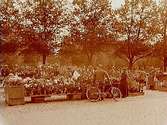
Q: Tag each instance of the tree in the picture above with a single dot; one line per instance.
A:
(31, 42)
(137, 50)
(43, 23)
(10, 26)
(88, 27)
(160, 47)
(133, 25)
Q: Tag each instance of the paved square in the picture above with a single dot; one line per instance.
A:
(150, 109)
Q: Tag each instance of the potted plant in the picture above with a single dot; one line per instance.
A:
(14, 90)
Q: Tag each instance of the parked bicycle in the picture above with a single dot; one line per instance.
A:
(96, 92)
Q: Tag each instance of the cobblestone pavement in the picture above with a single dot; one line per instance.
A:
(150, 109)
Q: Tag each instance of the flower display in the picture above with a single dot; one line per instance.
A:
(55, 79)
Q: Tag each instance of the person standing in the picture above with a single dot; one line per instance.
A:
(100, 75)
(124, 84)
(99, 78)
(151, 81)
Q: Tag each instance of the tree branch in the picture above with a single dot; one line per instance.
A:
(142, 56)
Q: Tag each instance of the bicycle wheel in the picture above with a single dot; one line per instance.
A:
(93, 94)
(116, 93)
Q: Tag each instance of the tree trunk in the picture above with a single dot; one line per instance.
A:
(165, 63)
(89, 57)
(44, 59)
(165, 45)
(89, 60)
(130, 65)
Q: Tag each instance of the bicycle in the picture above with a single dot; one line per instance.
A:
(94, 93)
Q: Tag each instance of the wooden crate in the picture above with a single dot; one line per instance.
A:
(38, 98)
(74, 96)
(69, 96)
(135, 94)
(77, 96)
(162, 89)
(14, 95)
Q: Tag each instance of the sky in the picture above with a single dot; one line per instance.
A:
(117, 3)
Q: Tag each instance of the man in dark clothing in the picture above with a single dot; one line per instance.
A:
(124, 84)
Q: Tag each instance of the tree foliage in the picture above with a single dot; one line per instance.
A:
(84, 27)
(10, 26)
(88, 32)
(29, 26)
(160, 47)
(133, 25)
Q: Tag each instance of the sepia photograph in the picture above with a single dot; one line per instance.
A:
(83, 62)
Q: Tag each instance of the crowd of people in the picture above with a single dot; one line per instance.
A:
(49, 79)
